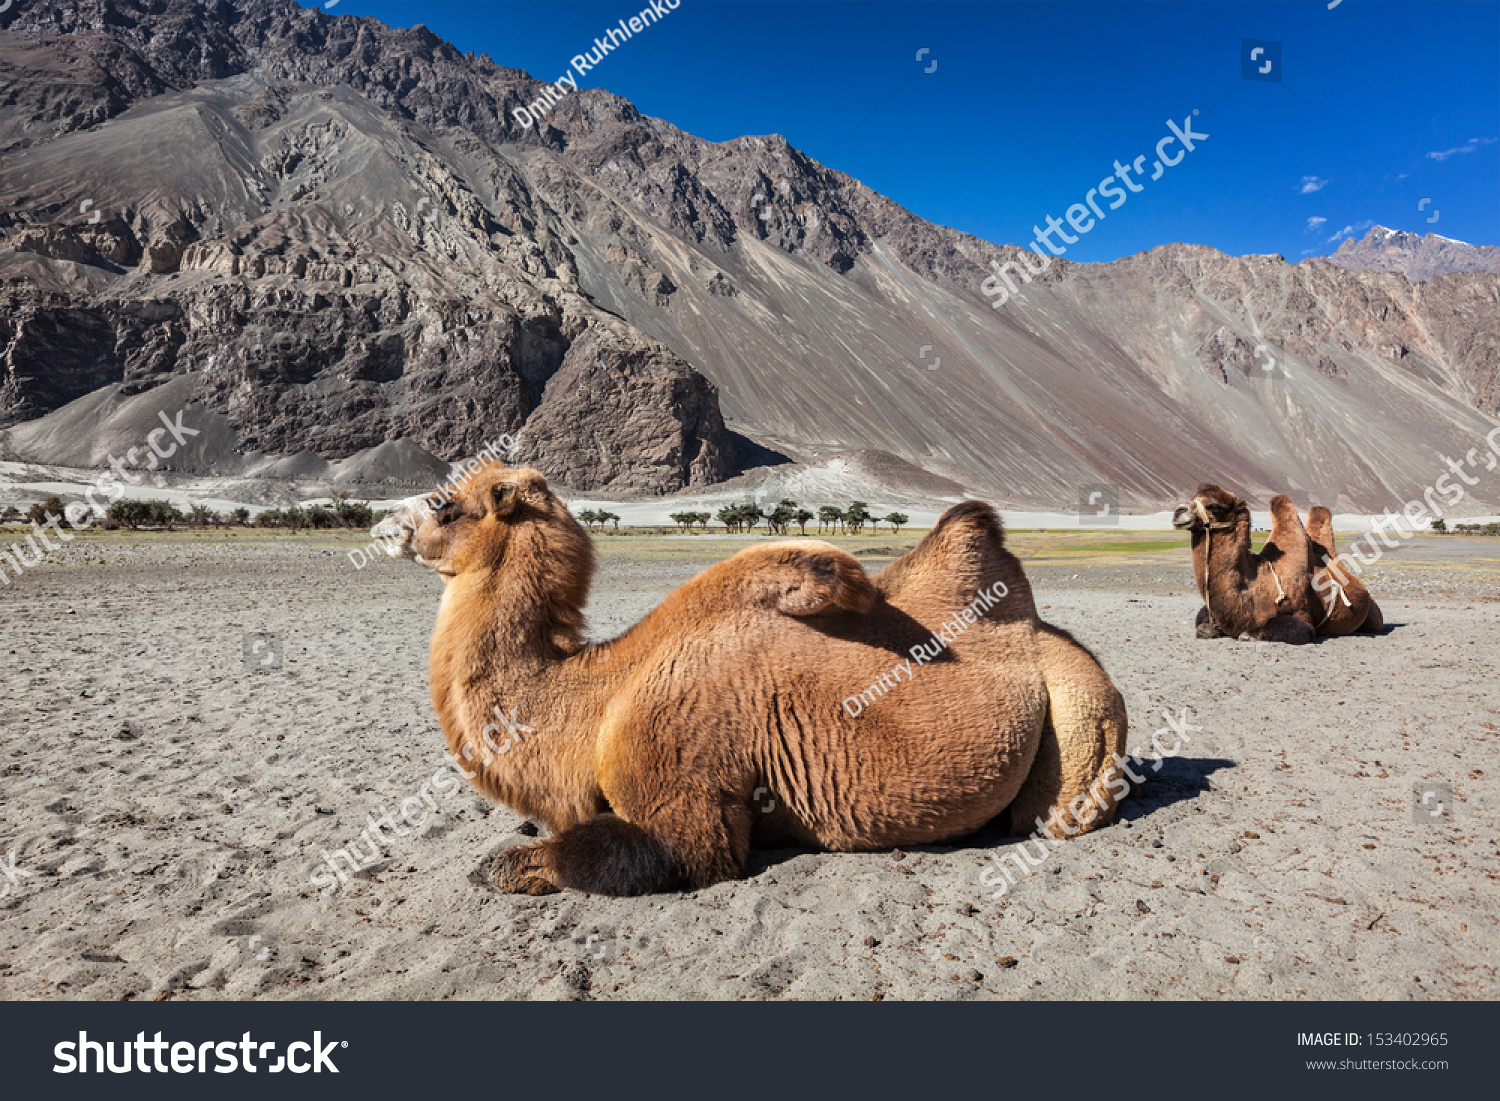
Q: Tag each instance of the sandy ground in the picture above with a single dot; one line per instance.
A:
(164, 798)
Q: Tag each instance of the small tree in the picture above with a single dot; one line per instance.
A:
(856, 516)
(830, 515)
(38, 513)
(164, 513)
(739, 518)
(351, 514)
(779, 518)
(199, 516)
(587, 518)
(896, 520)
(603, 516)
(130, 513)
(1440, 526)
(683, 519)
(802, 516)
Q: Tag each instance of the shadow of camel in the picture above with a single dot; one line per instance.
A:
(1179, 779)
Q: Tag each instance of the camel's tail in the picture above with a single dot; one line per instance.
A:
(1075, 783)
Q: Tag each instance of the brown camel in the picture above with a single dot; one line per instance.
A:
(1342, 605)
(723, 719)
(1266, 596)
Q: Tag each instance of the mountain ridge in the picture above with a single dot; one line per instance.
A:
(384, 255)
(1419, 257)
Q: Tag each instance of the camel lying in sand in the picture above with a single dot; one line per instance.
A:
(1266, 596)
(1291, 591)
(717, 722)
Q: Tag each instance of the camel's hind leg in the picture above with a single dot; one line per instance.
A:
(1289, 629)
(1349, 606)
(1075, 782)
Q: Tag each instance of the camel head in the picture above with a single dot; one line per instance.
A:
(1211, 508)
(487, 514)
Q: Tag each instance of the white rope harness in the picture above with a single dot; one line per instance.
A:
(1328, 610)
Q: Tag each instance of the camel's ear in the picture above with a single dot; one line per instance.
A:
(504, 497)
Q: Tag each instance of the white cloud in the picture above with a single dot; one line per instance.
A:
(1467, 147)
(1357, 227)
(1314, 224)
(1313, 183)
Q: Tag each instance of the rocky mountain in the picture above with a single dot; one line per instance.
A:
(1418, 257)
(339, 233)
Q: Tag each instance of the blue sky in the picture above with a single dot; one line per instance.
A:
(1031, 104)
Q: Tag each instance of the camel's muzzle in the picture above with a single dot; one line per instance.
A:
(1184, 518)
(396, 530)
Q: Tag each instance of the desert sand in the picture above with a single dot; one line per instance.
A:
(165, 796)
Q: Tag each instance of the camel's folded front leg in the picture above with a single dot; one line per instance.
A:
(1205, 625)
(682, 837)
(605, 855)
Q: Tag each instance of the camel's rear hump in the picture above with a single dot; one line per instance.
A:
(962, 555)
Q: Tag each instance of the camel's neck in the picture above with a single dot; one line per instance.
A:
(1225, 570)
(514, 703)
(498, 626)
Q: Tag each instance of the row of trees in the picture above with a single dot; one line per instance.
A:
(590, 517)
(343, 513)
(740, 519)
(1440, 527)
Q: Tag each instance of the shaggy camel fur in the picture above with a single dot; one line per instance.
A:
(1267, 596)
(1342, 605)
(657, 759)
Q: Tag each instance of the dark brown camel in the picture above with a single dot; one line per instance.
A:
(1266, 596)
